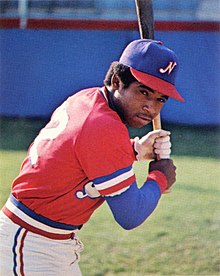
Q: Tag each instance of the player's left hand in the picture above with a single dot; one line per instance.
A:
(155, 144)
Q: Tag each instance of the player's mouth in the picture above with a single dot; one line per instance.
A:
(144, 118)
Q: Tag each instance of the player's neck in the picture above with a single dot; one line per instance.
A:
(113, 102)
(109, 94)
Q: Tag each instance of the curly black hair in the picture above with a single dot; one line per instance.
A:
(122, 71)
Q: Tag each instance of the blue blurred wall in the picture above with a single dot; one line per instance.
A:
(41, 68)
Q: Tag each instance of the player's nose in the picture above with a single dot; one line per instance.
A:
(150, 108)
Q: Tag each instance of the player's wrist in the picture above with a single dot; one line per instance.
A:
(159, 178)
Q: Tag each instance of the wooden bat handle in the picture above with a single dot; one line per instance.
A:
(156, 122)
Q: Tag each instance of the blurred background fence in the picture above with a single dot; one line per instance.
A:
(52, 49)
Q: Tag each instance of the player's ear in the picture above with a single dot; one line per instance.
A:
(115, 81)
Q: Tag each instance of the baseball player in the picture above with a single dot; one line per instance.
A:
(83, 157)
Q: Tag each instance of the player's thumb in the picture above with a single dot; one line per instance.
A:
(149, 139)
(157, 133)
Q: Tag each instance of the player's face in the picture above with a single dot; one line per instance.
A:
(138, 104)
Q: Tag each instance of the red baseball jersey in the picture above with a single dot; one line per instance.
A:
(82, 154)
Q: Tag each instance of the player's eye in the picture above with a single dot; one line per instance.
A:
(144, 92)
(162, 100)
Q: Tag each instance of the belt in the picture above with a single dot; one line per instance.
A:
(33, 222)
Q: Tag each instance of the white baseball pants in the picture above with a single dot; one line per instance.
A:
(25, 253)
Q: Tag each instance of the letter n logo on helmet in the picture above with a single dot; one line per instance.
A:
(169, 68)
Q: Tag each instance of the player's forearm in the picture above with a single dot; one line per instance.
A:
(135, 205)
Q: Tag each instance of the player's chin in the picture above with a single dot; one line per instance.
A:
(138, 122)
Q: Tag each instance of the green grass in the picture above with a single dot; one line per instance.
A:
(10, 162)
(182, 235)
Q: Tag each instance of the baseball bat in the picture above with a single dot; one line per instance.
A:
(146, 28)
(145, 17)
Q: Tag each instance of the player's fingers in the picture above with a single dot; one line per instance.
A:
(163, 156)
(156, 134)
(160, 133)
(164, 133)
(162, 151)
(162, 139)
(165, 145)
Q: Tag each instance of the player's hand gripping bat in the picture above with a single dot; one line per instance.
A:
(146, 27)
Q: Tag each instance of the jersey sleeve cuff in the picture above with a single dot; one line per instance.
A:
(159, 178)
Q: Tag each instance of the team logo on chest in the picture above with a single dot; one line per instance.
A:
(169, 68)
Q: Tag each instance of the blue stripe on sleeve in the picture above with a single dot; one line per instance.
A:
(135, 205)
(112, 175)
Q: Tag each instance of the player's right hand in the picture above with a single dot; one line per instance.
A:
(155, 143)
(167, 167)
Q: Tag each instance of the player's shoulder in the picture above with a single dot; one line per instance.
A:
(83, 102)
(104, 124)
(90, 108)
(102, 117)
(84, 94)
(93, 106)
